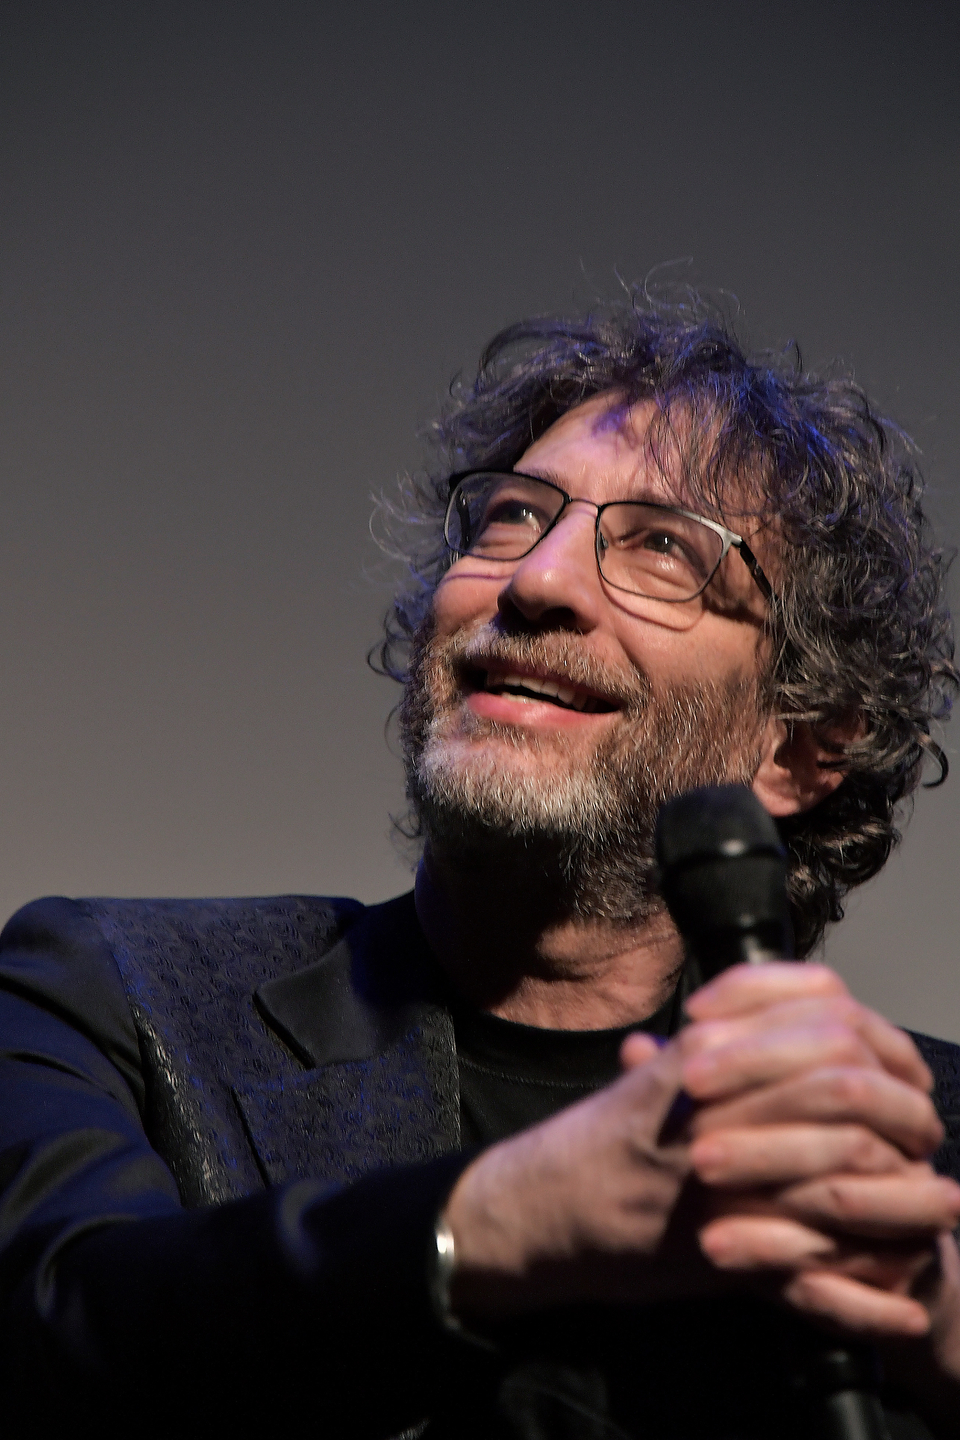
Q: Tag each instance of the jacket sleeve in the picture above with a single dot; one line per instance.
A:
(305, 1305)
(943, 1057)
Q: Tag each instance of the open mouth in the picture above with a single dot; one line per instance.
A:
(545, 688)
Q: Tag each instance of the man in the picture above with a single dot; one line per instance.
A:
(454, 1165)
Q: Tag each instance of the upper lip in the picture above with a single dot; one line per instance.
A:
(558, 686)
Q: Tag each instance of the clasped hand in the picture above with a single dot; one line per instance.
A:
(780, 1142)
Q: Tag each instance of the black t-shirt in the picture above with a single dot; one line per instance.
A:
(513, 1076)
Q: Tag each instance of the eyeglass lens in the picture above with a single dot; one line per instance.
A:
(643, 548)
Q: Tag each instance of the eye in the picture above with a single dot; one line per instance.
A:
(500, 515)
(663, 543)
(507, 511)
(650, 546)
(660, 542)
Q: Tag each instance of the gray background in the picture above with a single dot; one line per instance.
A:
(243, 247)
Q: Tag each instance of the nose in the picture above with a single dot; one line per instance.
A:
(558, 583)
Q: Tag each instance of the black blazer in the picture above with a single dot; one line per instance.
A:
(161, 1059)
(156, 1055)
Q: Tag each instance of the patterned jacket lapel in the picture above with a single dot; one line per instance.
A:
(381, 1087)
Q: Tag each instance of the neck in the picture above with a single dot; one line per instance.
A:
(515, 955)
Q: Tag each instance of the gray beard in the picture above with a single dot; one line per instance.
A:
(579, 837)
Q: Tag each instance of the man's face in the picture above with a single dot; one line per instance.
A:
(551, 713)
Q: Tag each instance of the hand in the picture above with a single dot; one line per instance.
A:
(579, 1207)
(811, 1136)
(797, 1084)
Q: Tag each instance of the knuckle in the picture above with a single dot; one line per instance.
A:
(805, 1287)
(844, 1042)
(844, 1200)
(866, 1150)
(847, 1089)
(844, 1010)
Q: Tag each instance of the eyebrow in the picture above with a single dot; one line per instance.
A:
(550, 475)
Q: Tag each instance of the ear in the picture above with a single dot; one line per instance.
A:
(791, 778)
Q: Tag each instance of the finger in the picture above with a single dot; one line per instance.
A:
(893, 1047)
(648, 1089)
(860, 1308)
(639, 1048)
(836, 1095)
(885, 1265)
(745, 988)
(910, 1203)
(778, 1154)
(771, 1055)
(764, 1242)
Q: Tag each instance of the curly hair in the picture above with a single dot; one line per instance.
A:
(861, 640)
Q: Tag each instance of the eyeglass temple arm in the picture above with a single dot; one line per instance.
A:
(753, 565)
(463, 510)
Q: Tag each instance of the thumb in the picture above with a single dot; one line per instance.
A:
(639, 1048)
(652, 1085)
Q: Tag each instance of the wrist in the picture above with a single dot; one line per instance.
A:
(441, 1270)
(482, 1257)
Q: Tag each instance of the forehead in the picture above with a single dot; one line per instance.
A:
(602, 450)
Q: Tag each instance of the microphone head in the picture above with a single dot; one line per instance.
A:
(723, 875)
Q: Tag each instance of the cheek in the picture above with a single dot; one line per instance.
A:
(709, 651)
(465, 597)
(666, 656)
(652, 649)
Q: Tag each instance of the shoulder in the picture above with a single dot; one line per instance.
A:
(943, 1057)
(54, 940)
(55, 961)
(251, 938)
(88, 961)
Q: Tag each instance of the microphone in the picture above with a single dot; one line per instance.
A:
(723, 874)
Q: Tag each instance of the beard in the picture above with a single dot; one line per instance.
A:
(569, 827)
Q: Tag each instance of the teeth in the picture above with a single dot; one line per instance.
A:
(566, 694)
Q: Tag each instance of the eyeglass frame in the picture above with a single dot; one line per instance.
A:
(731, 540)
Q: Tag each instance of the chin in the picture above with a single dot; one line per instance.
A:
(514, 789)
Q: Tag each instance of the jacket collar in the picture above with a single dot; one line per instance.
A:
(359, 998)
(381, 1087)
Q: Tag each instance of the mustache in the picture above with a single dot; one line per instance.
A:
(554, 653)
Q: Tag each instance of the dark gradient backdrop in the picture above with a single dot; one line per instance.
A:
(244, 247)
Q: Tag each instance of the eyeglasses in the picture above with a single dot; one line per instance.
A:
(656, 551)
